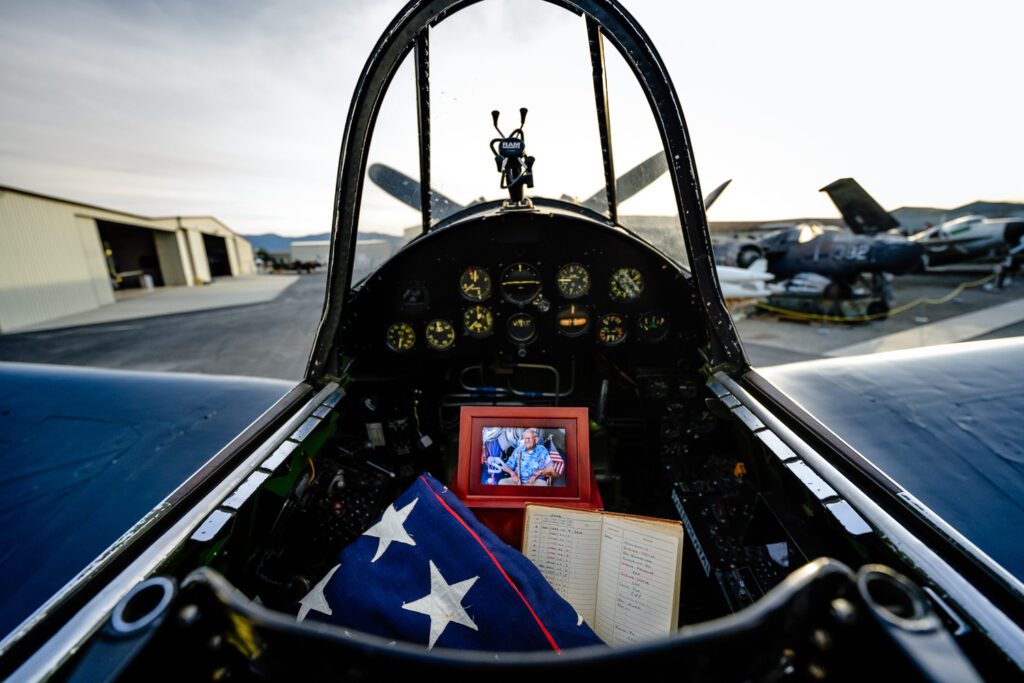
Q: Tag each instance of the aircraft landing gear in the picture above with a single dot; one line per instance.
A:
(881, 290)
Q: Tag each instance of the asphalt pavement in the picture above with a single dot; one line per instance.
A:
(270, 339)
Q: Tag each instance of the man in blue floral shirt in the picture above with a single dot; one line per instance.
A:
(529, 462)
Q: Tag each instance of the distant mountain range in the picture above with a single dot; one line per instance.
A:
(273, 243)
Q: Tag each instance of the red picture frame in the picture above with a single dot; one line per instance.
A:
(501, 507)
(579, 489)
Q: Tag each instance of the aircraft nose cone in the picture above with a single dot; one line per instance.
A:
(899, 258)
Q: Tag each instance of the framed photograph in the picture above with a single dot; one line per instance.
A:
(511, 455)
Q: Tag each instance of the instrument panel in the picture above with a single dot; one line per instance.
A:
(511, 284)
(521, 284)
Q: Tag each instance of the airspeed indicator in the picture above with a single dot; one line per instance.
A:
(400, 337)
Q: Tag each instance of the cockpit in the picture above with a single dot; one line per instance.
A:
(568, 284)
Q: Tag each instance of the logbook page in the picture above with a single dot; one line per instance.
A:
(565, 545)
(638, 581)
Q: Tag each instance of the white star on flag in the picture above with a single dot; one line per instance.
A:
(443, 605)
(390, 528)
(315, 599)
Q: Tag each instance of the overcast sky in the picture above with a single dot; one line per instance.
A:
(236, 109)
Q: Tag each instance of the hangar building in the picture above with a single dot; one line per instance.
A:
(59, 257)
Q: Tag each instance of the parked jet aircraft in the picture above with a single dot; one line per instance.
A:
(841, 257)
(963, 239)
(805, 560)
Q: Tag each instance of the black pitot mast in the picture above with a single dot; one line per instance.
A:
(515, 167)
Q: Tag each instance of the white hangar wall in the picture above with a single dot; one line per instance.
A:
(53, 261)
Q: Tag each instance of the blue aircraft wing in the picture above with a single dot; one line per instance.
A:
(945, 423)
(85, 453)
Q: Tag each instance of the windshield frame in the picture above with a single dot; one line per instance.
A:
(607, 19)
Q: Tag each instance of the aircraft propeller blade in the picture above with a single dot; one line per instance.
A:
(406, 190)
(715, 194)
(630, 182)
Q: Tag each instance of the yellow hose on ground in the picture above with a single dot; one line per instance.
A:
(797, 315)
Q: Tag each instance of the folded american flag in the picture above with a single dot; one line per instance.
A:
(429, 572)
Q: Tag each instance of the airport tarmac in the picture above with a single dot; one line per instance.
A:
(973, 313)
(272, 337)
(134, 304)
(268, 338)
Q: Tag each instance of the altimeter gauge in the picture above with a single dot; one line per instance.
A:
(611, 329)
(573, 320)
(520, 283)
(478, 321)
(440, 335)
(626, 284)
(475, 284)
(573, 280)
(400, 337)
(653, 326)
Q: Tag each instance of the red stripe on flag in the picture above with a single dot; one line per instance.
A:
(497, 564)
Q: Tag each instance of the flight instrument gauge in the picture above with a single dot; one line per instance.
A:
(520, 283)
(573, 320)
(440, 335)
(573, 280)
(400, 337)
(415, 298)
(521, 328)
(475, 284)
(478, 321)
(653, 326)
(626, 284)
(611, 329)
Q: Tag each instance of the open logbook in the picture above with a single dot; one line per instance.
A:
(620, 572)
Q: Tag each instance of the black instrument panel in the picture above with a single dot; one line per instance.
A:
(530, 284)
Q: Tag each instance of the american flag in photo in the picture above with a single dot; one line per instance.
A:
(556, 458)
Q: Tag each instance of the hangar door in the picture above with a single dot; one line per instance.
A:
(217, 254)
(131, 253)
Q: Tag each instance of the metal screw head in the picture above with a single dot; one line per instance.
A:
(188, 615)
(844, 611)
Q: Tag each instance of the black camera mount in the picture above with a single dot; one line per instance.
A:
(515, 167)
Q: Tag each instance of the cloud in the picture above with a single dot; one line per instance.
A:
(237, 109)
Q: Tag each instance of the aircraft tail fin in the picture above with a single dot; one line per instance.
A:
(861, 212)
